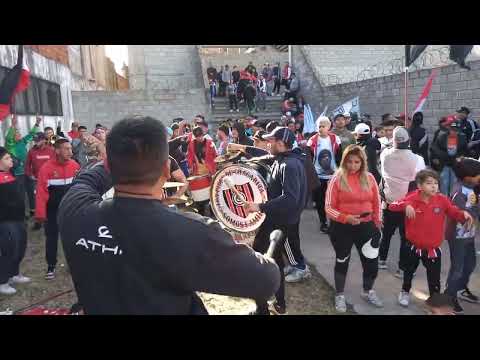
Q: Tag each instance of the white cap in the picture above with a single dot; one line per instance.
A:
(346, 114)
(362, 129)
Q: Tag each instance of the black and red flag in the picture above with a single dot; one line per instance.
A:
(458, 53)
(15, 81)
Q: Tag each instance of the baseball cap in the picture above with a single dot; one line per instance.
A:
(448, 120)
(60, 141)
(39, 136)
(282, 134)
(346, 114)
(260, 135)
(362, 129)
(400, 135)
(464, 110)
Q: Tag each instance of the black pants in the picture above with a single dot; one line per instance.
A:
(292, 246)
(30, 186)
(13, 244)
(432, 265)
(391, 221)
(233, 102)
(276, 86)
(51, 234)
(260, 244)
(318, 196)
(343, 236)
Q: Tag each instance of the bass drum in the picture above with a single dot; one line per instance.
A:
(250, 180)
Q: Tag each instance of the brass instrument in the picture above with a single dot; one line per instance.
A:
(53, 139)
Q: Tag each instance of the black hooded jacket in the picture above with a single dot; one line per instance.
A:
(371, 147)
(243, 139)
(288, 188)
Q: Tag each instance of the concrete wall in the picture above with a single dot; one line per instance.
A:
(108, 107)
(46, 69)
(164, 67)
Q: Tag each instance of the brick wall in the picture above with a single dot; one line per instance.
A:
(58, 53)
(108, 107)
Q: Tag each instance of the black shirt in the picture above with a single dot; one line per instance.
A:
(12, 199)
(175, 148)
(136, 256)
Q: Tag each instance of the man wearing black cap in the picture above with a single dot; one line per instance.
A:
(466, 123)
(54, 179)
(287, 192)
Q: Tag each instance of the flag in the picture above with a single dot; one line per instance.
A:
(425, 92)
(351, 106)
(458, 53)
(324, 113)
(14, 82)
(308, 120)
(412, 52)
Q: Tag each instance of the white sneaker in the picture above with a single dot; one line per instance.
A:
(231, 110)
(297, 275)
(340, 304)
(6, 289)
(237, 110)
(382, 264)
(372, 298)
(287, 270)
(404, 298)
(19, 279)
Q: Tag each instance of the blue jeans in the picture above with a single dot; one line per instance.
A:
(184, 166)
(447, 179)
(463, 261)
(13, 244)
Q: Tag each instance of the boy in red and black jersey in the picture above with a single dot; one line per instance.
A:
(54, 180)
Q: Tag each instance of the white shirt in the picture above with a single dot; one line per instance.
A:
(398, 169)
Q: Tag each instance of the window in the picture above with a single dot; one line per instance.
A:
(41, 98)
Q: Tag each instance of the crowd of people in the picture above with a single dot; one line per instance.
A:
(250, 87)
(366, 182)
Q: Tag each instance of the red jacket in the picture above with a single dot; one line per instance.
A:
(427, 230)
(54, 180)
(74, 134)
(210, 154)
(36, 158)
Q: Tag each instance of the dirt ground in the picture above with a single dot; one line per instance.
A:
(311, 297)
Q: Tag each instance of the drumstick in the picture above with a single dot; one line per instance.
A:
(232, 187)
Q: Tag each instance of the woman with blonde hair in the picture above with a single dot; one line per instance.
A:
(354, 207)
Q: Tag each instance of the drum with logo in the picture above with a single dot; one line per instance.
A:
(250, 180)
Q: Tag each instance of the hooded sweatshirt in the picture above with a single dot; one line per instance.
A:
(288, 188)
(19, 148)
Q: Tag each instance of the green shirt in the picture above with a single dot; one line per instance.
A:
(19, 148)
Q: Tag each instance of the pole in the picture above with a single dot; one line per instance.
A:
(406, 97)
(290, 55)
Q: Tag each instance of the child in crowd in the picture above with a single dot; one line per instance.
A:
(460, 240)
(426, 211)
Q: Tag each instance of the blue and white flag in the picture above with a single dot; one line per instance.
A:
(324, 113)
(351, 106)
(308, 120)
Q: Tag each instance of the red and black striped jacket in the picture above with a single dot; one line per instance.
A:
(12, 201)
(54, 180)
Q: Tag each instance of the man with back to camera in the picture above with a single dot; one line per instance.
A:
(132, 254)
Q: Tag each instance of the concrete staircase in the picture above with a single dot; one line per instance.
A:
(221, 111)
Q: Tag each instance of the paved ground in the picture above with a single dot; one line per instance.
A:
(318, 250)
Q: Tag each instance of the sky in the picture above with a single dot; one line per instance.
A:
(118, 54)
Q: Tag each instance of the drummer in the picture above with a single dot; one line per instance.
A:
(201, 155)
(177, 175)
(260, 148)
(288, 193)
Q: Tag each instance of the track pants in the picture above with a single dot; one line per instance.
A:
(51, 235)
(391, 221)
(432, 265)
(343, 237)
(276, 86)
(13, 244)
(318, 196)
(292, 246)
(260, 244)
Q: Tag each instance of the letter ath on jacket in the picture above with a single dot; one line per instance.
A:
(140, 257)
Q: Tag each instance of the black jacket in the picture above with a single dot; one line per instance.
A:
(288, 188)
(176, 148)
(12, 199)
(136, 256)
(371, 146)
(419, 142)
(438, 152)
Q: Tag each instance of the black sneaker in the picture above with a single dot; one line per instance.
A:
(466, 295)
(324, 228)
(277, 309)
(50, 275)
(457, 309)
